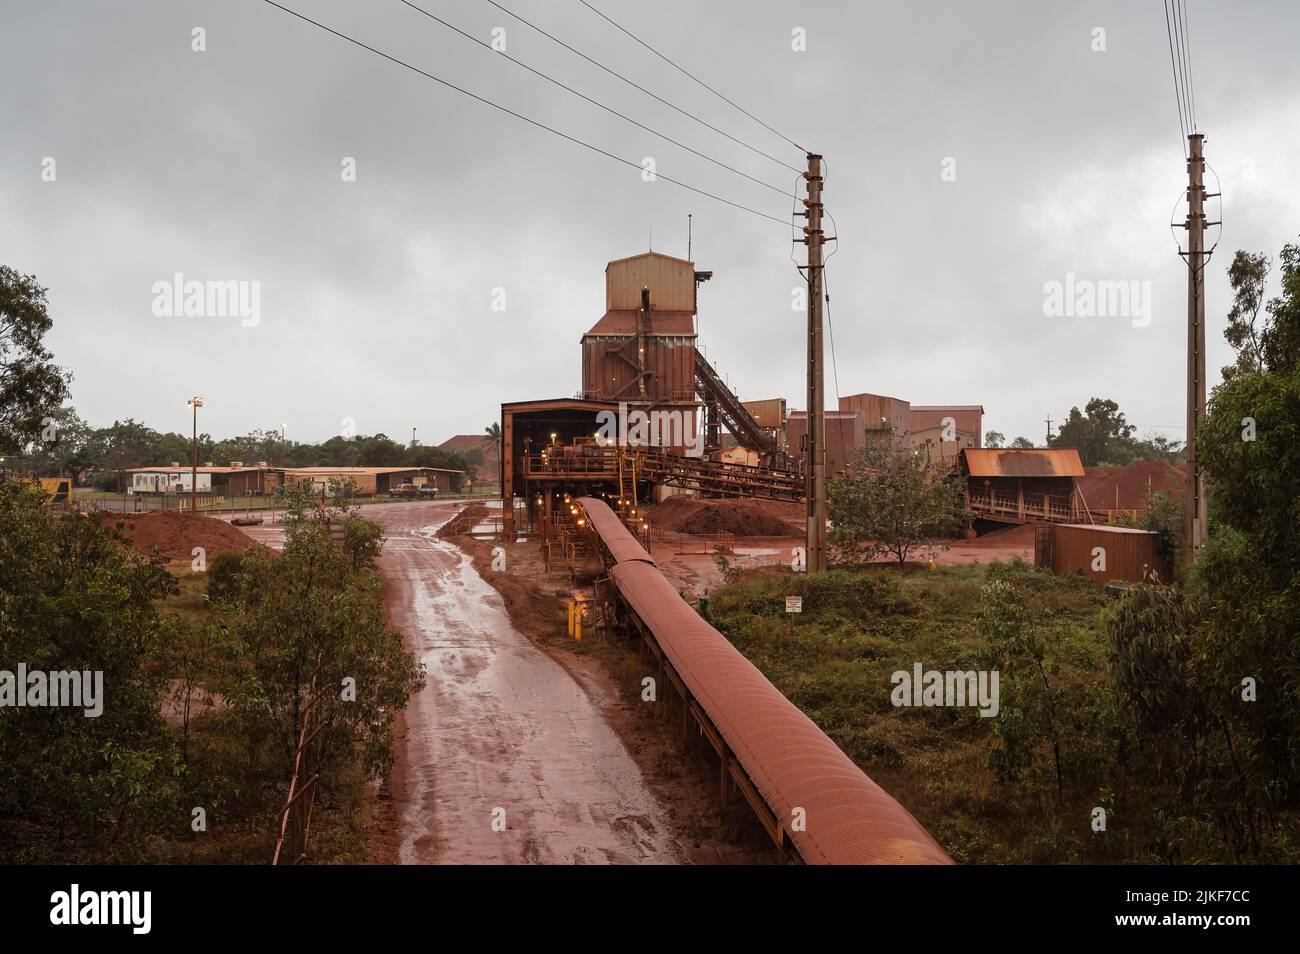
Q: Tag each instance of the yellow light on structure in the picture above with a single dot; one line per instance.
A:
(581, 522)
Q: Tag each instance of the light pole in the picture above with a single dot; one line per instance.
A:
(195, 402)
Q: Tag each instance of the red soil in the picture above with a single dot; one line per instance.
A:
(744, 518)
(176, 534)
(1125, 488)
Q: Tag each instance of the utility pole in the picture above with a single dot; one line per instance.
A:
(815, 469)
(195, 402)
(1196, 261)
(1048, 419)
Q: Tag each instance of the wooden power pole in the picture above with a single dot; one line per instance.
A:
(1196, 260)
(815, 460)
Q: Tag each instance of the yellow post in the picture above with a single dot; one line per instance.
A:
(577, 622)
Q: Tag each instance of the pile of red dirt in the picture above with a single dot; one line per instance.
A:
(176, 533)
(1125, 488)
(744, 518)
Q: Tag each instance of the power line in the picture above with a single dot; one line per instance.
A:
(516, 115)
(690, 75)
(1179, 48)
(1187, 49)
(636, 86)
(608, 109)
(1178, 97)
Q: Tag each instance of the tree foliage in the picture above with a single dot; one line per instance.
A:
(31, 386)
(73, 598)
(889, 503)
(312, 621)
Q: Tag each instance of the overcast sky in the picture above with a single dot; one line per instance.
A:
(376, 295)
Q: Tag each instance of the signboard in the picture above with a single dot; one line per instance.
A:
(794, 604)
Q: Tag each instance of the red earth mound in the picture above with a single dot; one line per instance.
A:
(744, 518)
(1125, 488)
(176, 534)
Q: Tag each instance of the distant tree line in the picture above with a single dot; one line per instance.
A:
(1102, 437)
(75, 447)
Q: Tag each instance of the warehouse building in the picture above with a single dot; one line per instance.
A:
(1022, 486)
(885, 420)
(372, 481)
(236, 480)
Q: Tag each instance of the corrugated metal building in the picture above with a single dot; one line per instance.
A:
(370, 481)
(769, 413)
(845, 433)
(642, 351)
(233, 481)
(1019, 486)
(944, 430)
(1100, 552)
(884, 418)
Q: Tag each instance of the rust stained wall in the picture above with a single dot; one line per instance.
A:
(966, 418)
(874, 407)
(1128, 552)
(769, 413)
(671, 282)
(844, 434)
(607, 376)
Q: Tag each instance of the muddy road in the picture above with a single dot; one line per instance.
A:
(501, 732)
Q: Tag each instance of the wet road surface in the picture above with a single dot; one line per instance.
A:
(501, 736)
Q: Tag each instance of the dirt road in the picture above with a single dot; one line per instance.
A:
(501, 732)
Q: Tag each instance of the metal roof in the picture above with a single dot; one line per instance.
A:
(186, 468)
(1017, 462)
(360, 471)
(623, 322)
(650, 254)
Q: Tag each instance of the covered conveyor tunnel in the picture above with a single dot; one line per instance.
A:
(814, 802)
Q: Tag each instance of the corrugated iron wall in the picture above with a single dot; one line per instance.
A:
(608, 377)
(1128, 554)
(769, 413)
(671, 282)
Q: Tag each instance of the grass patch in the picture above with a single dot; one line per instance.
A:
(859, 626)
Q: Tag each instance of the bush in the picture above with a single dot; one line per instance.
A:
(223, 576)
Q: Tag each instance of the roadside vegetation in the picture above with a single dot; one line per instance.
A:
(1171, 713)
(205, 678)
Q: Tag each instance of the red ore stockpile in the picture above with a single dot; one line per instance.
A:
(176, 534)
(744, 518)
